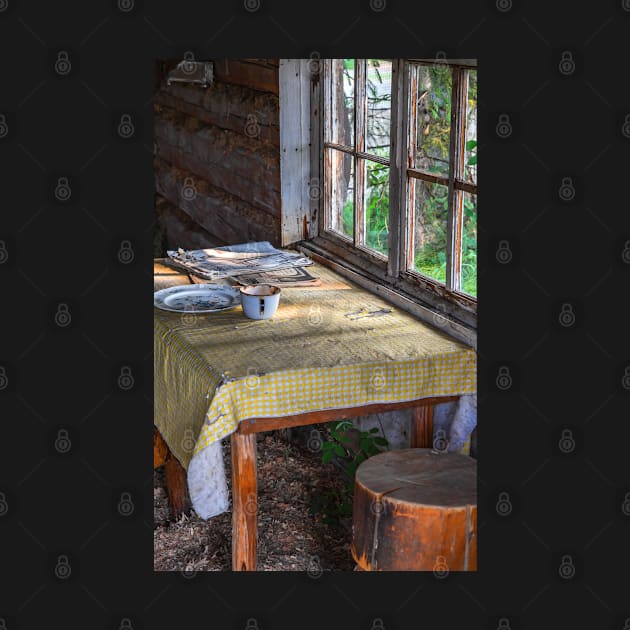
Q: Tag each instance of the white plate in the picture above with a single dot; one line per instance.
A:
(197, 298)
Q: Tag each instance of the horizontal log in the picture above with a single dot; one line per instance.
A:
(251, 175)
(248, 190)
(274, 63)
(225, 98)
(211, 142)
(180, 229)
(204, 187)
(222, 215)
(240, 115)
(253, 75)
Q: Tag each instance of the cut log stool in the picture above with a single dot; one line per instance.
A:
(415, 510)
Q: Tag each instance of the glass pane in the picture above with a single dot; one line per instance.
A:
(376, 206)
(469, 245)
(341, 202)
(342, 105)
(378, 91)
(430, 229)
(433, 134)
(470, 157)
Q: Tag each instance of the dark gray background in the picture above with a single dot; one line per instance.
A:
(553, 442)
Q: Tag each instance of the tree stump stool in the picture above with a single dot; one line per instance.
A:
(415, 510)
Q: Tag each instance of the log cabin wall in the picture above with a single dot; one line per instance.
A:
(217, 156)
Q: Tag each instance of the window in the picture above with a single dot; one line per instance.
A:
(399, 166)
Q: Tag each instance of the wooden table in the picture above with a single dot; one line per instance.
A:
(243, 449)
(244, 481)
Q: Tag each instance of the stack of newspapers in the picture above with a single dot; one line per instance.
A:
(246, 263)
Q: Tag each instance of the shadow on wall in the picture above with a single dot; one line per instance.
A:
(217, 156)
(174, 228)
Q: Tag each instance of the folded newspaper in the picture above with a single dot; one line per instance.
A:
(235, 260)
(288, 277)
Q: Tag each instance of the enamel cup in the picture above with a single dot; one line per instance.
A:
(260, 301)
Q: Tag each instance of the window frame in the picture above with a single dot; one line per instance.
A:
(452, 306)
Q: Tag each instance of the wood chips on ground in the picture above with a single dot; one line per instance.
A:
(289, 537)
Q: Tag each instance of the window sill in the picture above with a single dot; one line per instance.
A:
(437, 316)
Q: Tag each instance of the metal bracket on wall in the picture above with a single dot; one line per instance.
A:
(189, 71)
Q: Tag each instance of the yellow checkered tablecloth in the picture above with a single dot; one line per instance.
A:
(331, 346)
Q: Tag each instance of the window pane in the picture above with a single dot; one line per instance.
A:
(433, 133)
(342, 105)
(378, 91)
(469, 245)
(470, 161)
(376, 206)
(340, 171)
(430, 229)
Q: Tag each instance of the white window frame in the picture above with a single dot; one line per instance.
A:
(305, 221)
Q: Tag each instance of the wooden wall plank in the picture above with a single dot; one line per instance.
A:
(252, 75)
(236, 184)
(263, 62)
(225, 217)
(251, 114)
(179, 228)
(225, 140)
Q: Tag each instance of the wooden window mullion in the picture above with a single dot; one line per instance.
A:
(326, 216)
(411, 110)
(397, 171)
(360, 111)
(456, 169)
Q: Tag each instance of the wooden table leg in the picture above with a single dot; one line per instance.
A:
(244, 502)
(422, 427)
(176, 486)
(160, 449)
(176, 482)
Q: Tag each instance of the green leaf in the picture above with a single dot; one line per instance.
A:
(327, 456)
(344, 425)
(339, 450)
(472, 161)
(366, 443)
(373, 430)
(470, 145)
(381, 441)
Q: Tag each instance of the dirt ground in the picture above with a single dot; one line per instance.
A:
(289, 537)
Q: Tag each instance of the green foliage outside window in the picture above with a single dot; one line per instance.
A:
(433, 147)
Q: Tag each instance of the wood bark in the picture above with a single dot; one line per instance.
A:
(415, 510)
